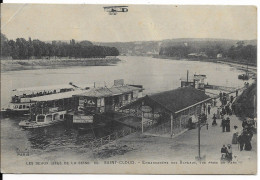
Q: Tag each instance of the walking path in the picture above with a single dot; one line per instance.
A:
(185, 146)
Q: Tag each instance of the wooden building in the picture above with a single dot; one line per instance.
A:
(104, 99)
(170, 108)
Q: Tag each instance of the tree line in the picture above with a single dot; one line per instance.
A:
(237, 52)
(28, 49)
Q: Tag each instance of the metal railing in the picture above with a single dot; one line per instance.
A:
(111, 137)
(165, 128)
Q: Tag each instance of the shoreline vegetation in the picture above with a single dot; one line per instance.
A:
(215, 60)
(22, 54)
(236, 64)
(245, 104)
(241, 52)
(52, 63)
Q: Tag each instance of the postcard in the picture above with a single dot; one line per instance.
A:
(128, 89)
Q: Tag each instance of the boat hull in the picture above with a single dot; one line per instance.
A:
(33, 125)
(13, 113)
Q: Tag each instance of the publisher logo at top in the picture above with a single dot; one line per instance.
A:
(113, 10)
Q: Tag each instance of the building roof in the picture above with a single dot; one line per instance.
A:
(106, 92)
(180, 98)
(57, 96)
(175, 100)
(52, 87)
(46, 88)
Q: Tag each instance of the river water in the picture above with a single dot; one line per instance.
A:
(154, 74)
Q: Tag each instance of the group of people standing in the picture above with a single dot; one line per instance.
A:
(225, 124)
(244, 138)
(226, 153)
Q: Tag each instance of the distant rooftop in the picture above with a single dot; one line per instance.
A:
(106, 92)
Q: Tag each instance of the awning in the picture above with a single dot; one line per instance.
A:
(46, 88)
(106, 92)
(57, 96)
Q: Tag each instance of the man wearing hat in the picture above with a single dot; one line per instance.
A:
(228, 124)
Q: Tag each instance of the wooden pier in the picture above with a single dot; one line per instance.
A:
(220, 88)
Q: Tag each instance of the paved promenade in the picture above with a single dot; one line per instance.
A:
(185, 146)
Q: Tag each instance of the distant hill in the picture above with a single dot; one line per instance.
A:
(153, 47)
(134, 48)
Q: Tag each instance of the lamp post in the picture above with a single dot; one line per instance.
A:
(199, 158)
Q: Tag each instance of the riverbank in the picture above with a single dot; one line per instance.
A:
(226, 60)
(239, 65)
(16, 65)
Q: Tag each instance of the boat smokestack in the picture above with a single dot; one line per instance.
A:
(187, 75)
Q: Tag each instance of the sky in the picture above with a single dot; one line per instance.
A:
(140, 23)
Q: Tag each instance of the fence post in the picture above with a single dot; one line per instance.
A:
(171, 124)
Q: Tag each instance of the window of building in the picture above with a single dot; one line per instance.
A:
(40, 118)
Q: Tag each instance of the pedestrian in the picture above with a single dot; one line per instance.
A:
(220, 96)
(190, 123)
(248, 136)
(214, 102)
(223, 125)
(204, 108)
(244, 124)
(224, 100)
(227, 109)
(228, 124)
(241, 140)
(223, 110)
(209, 109)
(223, 152)
(214, 123)
(236, 93)
(229, 153)
(235, 135)
(218, 113)
(230, 111)
(233, 108)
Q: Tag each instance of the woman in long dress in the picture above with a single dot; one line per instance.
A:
(235, 135)
(229, 156)
(248, 137)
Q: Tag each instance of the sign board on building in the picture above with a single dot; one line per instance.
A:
(119, 82)
(146, 109)
(83, 119)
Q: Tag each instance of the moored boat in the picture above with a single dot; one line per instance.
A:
(50, 109)
(43, 120)
(21, 98)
